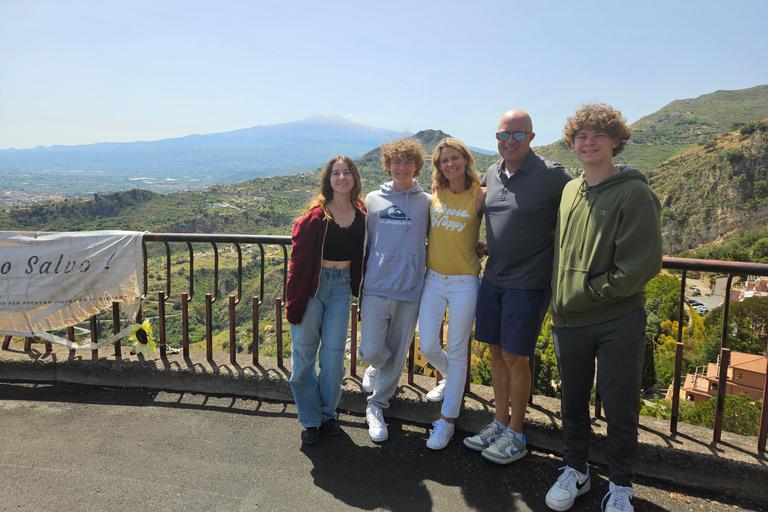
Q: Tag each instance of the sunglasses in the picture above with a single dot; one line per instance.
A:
(518, 136)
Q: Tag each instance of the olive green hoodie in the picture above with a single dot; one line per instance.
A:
(608, 246)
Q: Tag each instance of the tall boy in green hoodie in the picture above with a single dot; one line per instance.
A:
(607, 247)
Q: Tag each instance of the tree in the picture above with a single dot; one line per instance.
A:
(760, 249)
(740, 416)
(747, 329)
(546, 378)
(649, 365)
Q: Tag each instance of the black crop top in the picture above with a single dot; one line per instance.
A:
(343, 244)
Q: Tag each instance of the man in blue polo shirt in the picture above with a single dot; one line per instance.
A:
(523, 195)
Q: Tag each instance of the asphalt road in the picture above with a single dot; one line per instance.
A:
(83, 448)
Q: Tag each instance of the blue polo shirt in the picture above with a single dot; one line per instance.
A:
(520, 211)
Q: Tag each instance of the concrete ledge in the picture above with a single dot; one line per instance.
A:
(732, 466)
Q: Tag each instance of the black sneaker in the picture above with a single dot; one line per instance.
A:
(310, 435)
(332, 427)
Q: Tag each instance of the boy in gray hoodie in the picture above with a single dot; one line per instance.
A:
(398, 219)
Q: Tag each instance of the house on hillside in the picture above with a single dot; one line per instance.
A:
(745, 376)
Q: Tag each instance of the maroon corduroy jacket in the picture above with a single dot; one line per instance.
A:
(307, 241)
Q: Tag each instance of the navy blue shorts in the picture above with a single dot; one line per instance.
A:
(510, 317)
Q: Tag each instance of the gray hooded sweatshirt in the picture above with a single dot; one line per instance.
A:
(397, 238)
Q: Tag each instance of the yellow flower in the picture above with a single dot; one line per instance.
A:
(142, 336)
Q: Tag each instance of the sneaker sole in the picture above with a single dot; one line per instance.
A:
(438, 399)
(505, 460)
(475, 447)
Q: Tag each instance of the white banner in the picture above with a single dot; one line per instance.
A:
(51, 281)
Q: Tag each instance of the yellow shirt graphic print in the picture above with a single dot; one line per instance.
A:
(454, 231)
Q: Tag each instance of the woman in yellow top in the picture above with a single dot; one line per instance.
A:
(452, 278)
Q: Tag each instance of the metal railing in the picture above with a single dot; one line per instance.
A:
(685, 265)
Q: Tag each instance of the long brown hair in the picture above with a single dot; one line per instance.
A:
(325, 195)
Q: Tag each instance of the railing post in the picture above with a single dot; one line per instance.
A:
(208, 327)
(676, 387)
(27, 343)
(469, 364)
(763, 416)
(411, 357)
(94, 337)
(7, 342)
(725, 361)
(161, 322)
(71, 337)
(116, 327)
(185, 325)
(279, 331)
(353, 342)
(232, 340)
(255, 333)
(531, 367)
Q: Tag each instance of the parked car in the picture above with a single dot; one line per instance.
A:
(702, 310)
(696, 291)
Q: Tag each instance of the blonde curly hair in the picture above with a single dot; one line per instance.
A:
(402, 149)
(599, 117)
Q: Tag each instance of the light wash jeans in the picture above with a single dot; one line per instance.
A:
(459, 294)
(327, 318)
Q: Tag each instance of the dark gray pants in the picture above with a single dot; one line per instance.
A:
(619, 346)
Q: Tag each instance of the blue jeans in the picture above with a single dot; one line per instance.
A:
(327, 318)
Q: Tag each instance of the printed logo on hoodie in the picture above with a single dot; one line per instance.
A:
(394, 215)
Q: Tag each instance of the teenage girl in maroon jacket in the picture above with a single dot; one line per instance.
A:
(326, 266)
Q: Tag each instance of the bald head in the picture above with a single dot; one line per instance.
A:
(514, 152)
(519, 117)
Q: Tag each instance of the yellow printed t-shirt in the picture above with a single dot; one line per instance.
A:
(453, 232)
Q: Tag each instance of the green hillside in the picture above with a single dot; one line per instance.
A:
(716, 191)
(678, 127)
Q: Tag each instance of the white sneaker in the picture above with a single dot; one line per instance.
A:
(377, 429)
(438, 392)
(619, 499)
(484, 439)
(370, 378)
(569, 485)
(441, 434)
(506, 449)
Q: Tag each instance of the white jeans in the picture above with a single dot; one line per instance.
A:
(459, 294)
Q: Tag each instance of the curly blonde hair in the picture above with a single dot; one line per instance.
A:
(599, 117)
(470, 174)
(402, 149)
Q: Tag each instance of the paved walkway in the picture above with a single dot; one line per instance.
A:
(189, 433)
(94, 448)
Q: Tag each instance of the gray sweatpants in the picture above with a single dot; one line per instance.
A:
(619, 346)
(387, 331)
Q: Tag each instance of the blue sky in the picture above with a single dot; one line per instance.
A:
(86, 71)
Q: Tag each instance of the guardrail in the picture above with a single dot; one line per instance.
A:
(685, 265)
